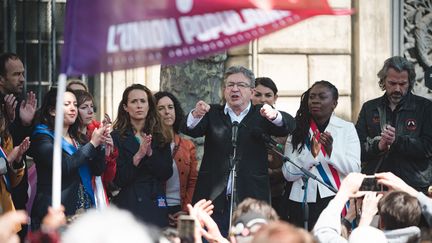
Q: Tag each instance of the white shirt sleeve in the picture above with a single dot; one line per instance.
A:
(328, 225)
(278, 120)
(192, 121)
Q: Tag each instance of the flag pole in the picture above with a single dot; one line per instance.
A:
(58, 131)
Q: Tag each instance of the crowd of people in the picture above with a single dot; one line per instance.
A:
(265, 176)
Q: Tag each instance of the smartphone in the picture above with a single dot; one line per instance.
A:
(370, 183)
(186, 228)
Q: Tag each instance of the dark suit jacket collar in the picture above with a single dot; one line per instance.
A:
(130, 143)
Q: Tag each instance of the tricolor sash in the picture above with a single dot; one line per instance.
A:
(320, 168)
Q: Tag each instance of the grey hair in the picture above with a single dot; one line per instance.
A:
(399, 64)
(240, 69)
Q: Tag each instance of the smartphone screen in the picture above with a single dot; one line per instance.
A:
(186, 228)
(370, 183)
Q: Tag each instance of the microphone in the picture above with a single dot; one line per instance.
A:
(268, 140)
(234, 133)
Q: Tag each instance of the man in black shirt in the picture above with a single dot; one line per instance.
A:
(395, 130)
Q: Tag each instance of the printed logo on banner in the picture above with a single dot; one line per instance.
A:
(109, 35)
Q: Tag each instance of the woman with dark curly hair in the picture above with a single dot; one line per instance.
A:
(80, 159)
(181, 185)
(144, 162)
(325, 145)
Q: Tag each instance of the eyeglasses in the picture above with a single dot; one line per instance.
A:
(240, 85)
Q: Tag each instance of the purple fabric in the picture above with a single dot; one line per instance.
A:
(32, 179)
(107, 35)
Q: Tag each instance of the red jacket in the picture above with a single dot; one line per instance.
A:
(185, 157)
(111, 165)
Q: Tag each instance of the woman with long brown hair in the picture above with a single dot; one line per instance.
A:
(88, 124)
(144, 162)
(181, 185)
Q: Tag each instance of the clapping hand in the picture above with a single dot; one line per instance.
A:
(315, 145)
(144, 149)
(18, 151)
(10, 106)
(28, 109)
(326, 140)
(99, 135)
(388, 136)
(206, 226)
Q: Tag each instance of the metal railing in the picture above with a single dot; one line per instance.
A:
(34, 30)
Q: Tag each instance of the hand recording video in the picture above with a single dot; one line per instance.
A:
(370, 183)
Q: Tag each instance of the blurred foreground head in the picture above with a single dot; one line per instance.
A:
(111, 225)
(282, 232)
(249, 217)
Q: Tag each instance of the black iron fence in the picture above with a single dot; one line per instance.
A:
(34, 30)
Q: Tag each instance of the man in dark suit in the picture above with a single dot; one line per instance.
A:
(215, 122)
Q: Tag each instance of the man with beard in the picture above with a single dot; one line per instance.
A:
(395, 130)
(19, 113)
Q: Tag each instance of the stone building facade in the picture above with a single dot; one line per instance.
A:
(346, 50)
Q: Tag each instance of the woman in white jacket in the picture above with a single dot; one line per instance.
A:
(325, 145)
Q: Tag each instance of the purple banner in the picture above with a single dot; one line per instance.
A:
(108, 35)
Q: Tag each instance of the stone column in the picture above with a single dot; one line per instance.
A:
(371, 45)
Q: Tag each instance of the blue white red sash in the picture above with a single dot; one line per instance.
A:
(320, 168)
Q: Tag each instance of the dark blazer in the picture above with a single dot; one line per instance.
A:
(41, 149)
(142, 187)
(252, 177)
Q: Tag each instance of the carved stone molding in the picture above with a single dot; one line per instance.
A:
(418, 40)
